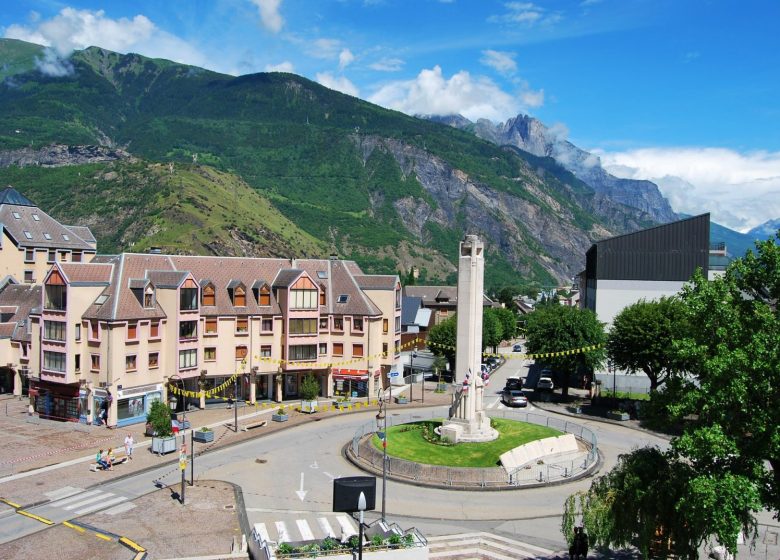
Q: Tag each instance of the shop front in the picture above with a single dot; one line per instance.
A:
(134, 403)
(210, 384)
(57, 401)
(351, 383)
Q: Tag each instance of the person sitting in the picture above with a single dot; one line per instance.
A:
(110, 458)
(100, 459)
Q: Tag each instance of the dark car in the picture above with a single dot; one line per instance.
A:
(513, 383)
(514, 397)
(492, 361)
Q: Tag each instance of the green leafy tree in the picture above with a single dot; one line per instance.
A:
(725, 465)
(508, 319)
(159, 417)
(506, 295)
(310, 387)
(492, 330)
(557, 328)
(641, 339)
(442, 339)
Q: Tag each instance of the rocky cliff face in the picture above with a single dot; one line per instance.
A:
(533, 136)
(57, 155)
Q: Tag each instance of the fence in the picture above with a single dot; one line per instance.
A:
(555, 470)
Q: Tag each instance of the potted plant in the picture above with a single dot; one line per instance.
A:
(159, 419)
(617, 415)
(343, 402)
(204, 435)
(402, 399)
(310, 390)
(280, 415)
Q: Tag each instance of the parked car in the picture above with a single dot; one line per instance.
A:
(545, 380)
(492, 361)
(514, 397)
(484, 368)
(513, 383)
(517, 348)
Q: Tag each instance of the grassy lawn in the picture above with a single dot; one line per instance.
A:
(624, 395)
(407, 442)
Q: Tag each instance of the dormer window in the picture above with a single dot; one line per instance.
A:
(209, 295)
(36, 217)
(323, 300)
(264, 296)
(65, 237)
(188, 296)
(343, 298)
(47, 236)
(56, 293)
(17, 216)
(28, 235)
(239, 297)
(149, 298)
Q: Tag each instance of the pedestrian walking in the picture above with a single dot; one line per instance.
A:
(129, 442)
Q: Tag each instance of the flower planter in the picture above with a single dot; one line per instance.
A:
(309, 406)
(162, 445)
(203, 437)
(401, 400)
(342, 405)
(622, 416)
(279, 418)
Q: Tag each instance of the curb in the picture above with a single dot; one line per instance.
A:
(602, 420)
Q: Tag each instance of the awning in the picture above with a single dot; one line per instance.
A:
(354, 374)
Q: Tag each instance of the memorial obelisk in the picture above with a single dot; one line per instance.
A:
(468, 421)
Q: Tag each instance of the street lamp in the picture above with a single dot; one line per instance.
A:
(411, 381)
(361, 509)
(173, 401)
(381, 427)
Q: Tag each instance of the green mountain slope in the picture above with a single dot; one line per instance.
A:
(193, 209)
(386, 189)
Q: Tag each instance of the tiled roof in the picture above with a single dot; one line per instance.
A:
(10, 195)
(23, 298)
(83, 232)
(137, 283)
(170, 279)
(286, 277)
(44, 232)
(7, 330)
(439, 295)
(409, 307)
(376, 282)
(86, 273)
(341, 282)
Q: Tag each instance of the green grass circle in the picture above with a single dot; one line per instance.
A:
(406, 441)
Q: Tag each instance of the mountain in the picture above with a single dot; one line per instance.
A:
(531, 135)
(766, 230)
(385, 189)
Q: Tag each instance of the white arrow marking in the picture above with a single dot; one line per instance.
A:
(330, 476)
(314, 466)
(301, 493)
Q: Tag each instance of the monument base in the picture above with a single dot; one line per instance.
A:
(464, 431)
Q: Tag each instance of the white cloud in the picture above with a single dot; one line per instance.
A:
(387, 65)
(325, 48)
(525, 13)
(269, 14)
(430, 93)
(345, 58)
(502, 62)
(740, 190)
(53, 65)
(285, 66)
(73, 29)
(532, 98)
(339, 83)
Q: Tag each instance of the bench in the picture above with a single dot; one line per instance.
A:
(254, 425)
(94, 467)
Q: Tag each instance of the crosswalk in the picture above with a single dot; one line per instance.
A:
(78, 501)
(294, 528)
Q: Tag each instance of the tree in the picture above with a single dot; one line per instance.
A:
(641, 338)
(556, 328)
(506, 295)
(442, 339)
(508, 320)
(716, 475)
(159, 417)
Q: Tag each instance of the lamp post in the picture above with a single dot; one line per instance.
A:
(173, 401)
(381, 426)
(361, 509)
(235, 403)
(411, 381)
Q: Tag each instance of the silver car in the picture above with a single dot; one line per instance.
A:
(514, 397)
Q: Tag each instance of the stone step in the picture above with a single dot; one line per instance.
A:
(482, 546)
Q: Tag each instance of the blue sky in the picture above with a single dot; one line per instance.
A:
(681, 91)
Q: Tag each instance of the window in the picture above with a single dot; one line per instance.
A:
(132, 331)
(149, 299)
(397, 324)
(188, 329)
(267, 325)
(17, 215)
(210, 354)
(265, 351)
(209, 296)
(323, 348)
(384, 349)
(56, 297)
(188, 299)
(188, 359)
(28, 235)
(65, 237)
(63, 256)
(303, 326)
(54, 330)
(95, 362)
(94, 330)
(338, 324)
(211, 326)
(357, 324)
(36, 217)
(322, 274)
(322, 298)
(241, 352)
(154, 329)
(323, 323)
(77, 331)
(130, 362)
(343, 298)
(303, 299)
(242, 325)
(51, 256)
(47, 236)
(76, 256)
(29, 255)
(77, 362)
(28, 276)
(357, 350)
(444, 312)
(385, 326)
(54, 361)
(239, 297)
(303, 352)
(398, 299)
(154, 360)
(264, 298)
(338, 349)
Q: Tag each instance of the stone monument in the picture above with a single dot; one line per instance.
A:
(468, 421)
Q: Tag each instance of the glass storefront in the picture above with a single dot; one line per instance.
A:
(290, 385)
(132, 409)
(350, 386)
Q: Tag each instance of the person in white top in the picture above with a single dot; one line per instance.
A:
(129, 442)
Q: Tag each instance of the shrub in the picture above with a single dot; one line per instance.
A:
(159, 418)
(310, 388)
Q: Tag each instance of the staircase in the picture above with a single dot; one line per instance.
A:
(482, 546)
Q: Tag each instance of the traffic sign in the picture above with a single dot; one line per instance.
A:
(394, 374)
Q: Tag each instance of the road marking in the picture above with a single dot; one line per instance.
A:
(104, 537)
(281, 530)
(301, 493)
(88, 500)
(326, 528)
(330, 476)
(36, 517)
(101, 505)
(131, 544)
(304, 530)
(10, 503)
(121, 508)
(60, 503)
(75, 527)
(63, 492)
